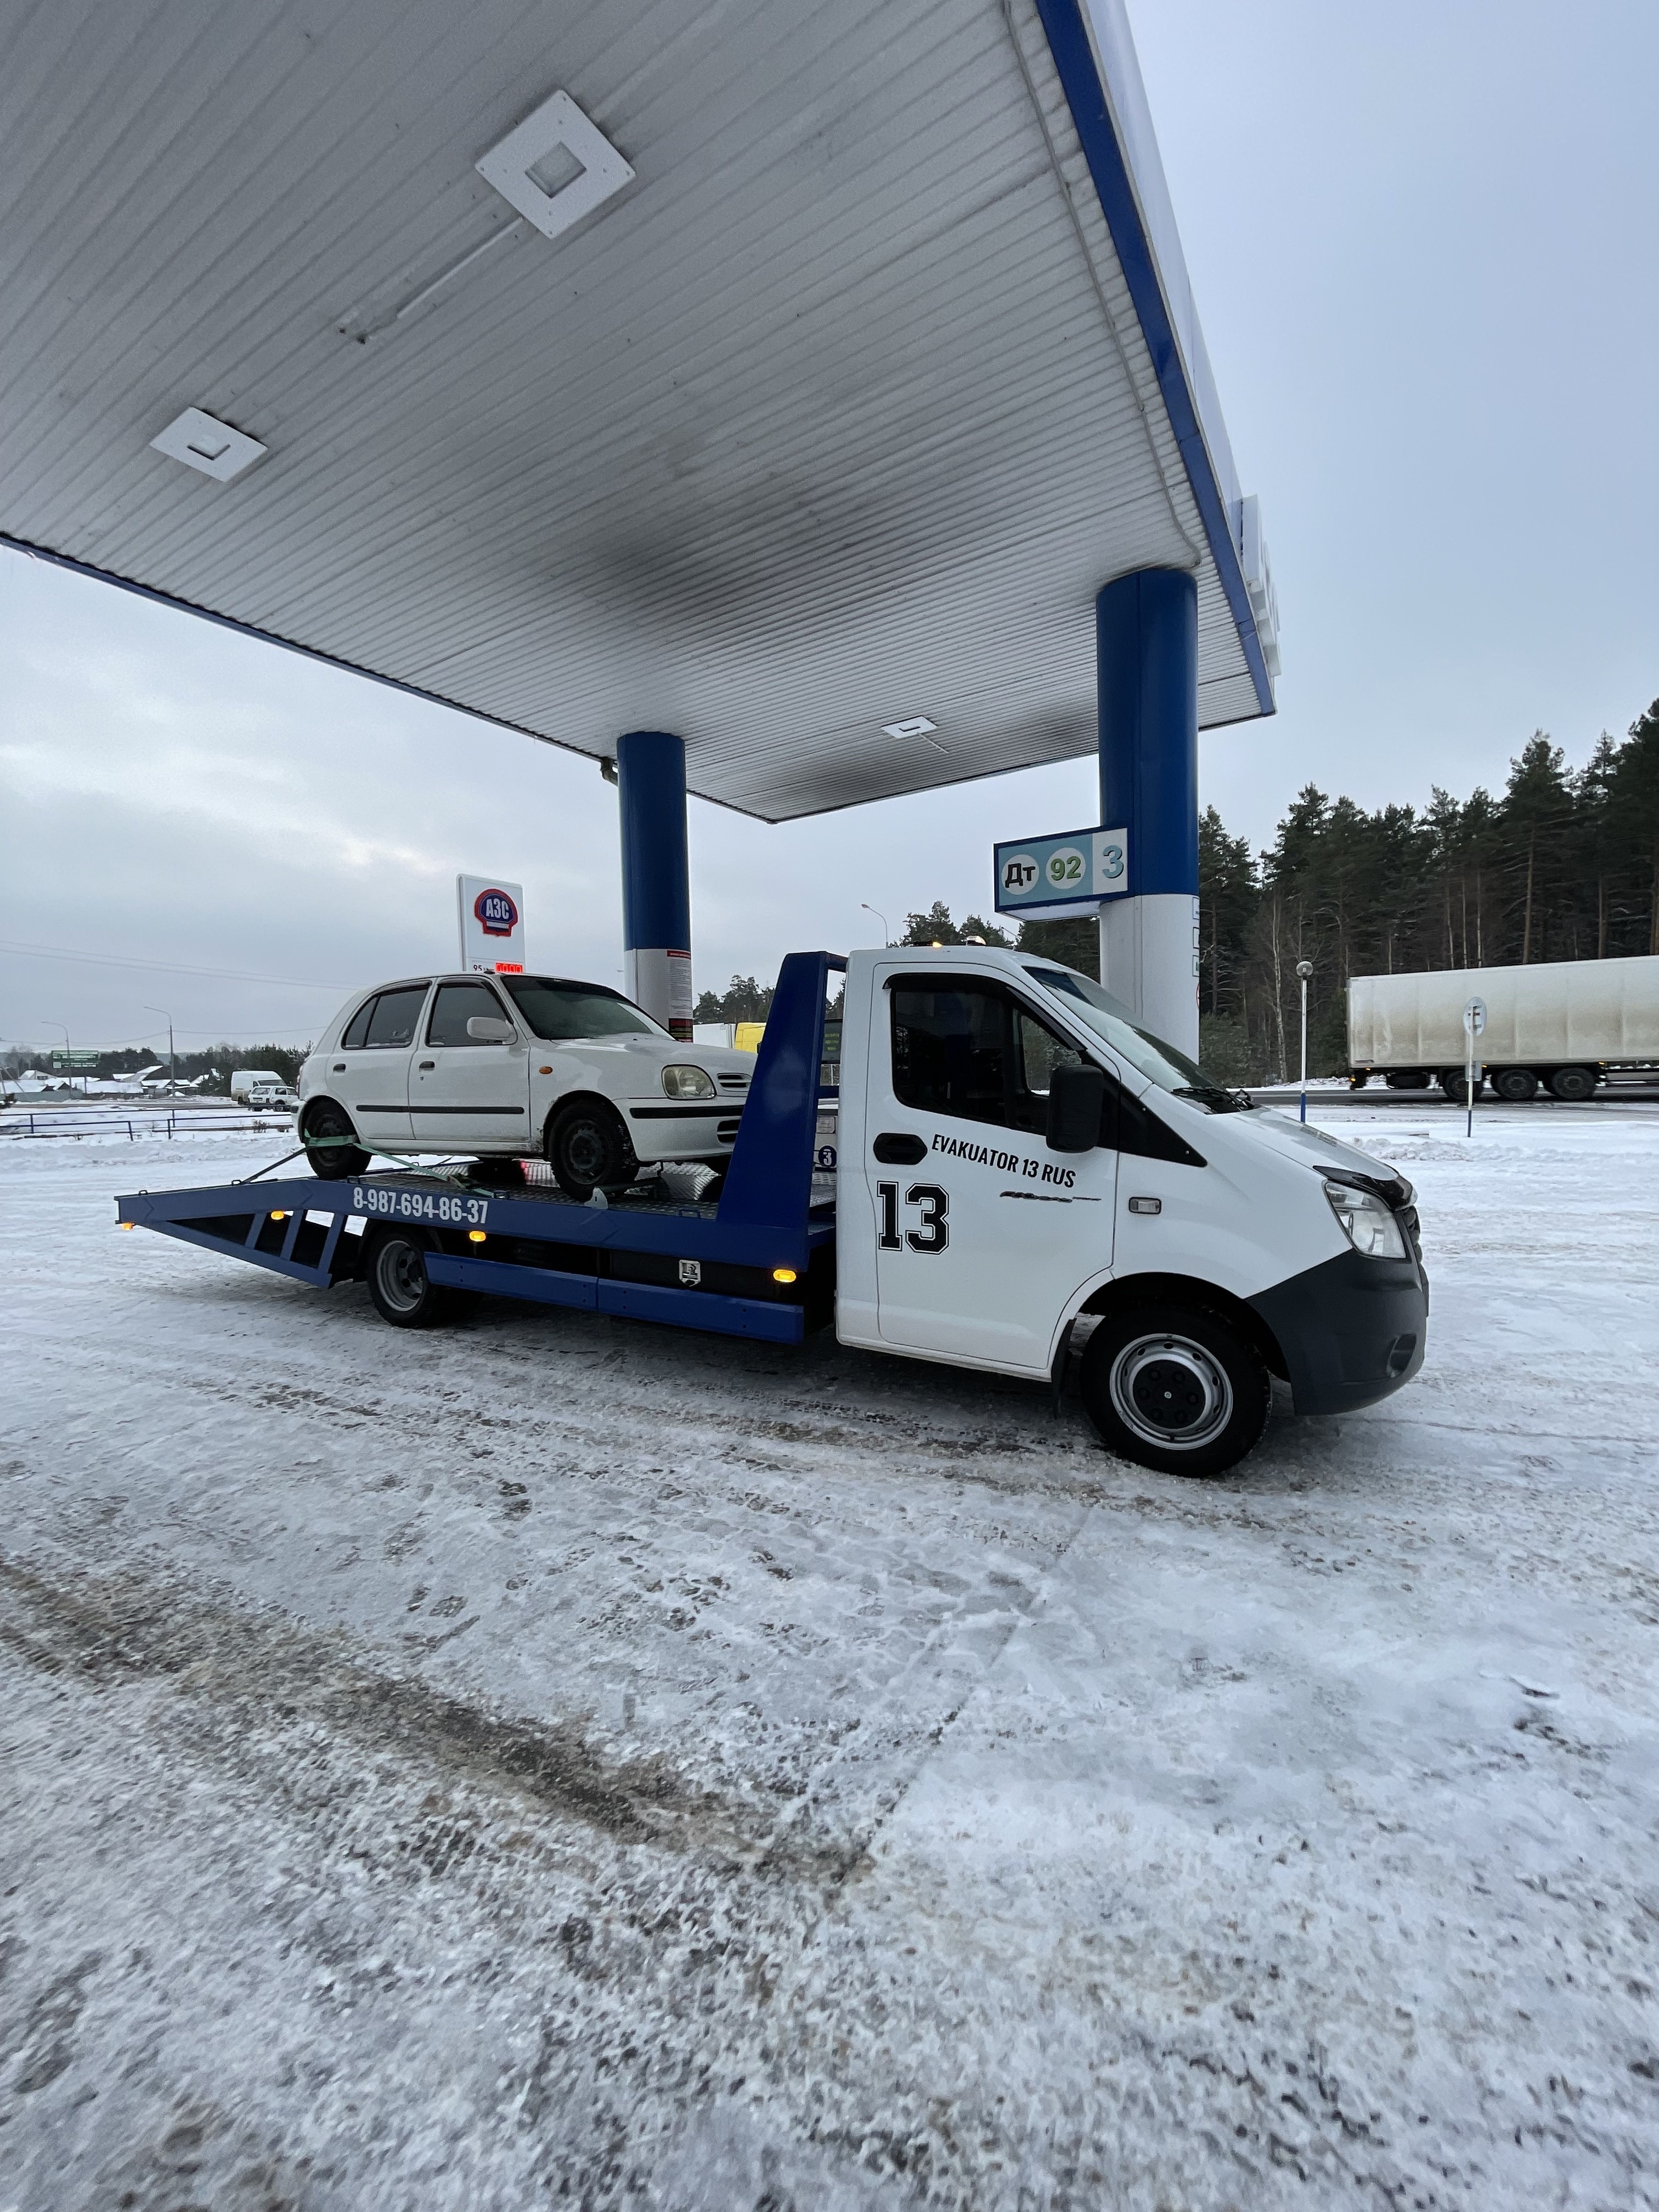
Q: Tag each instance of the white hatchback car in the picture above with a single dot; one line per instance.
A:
(501, 1067)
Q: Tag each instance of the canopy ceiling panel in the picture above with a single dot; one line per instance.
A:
(838, 415)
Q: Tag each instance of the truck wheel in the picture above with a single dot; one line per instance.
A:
(1515, 1086)
(1451, 1082)
(331, 1143)
(587, 1149)
(1573, 1084)
(1175, 1389)
(396, 1267)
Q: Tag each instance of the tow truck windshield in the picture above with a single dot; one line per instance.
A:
(1112, 1022)
(561, 1011)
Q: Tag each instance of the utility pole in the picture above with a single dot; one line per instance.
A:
(172, 1059)
(1305, 969)
(51, 1024)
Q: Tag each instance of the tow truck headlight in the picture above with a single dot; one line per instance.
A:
(687, 1083)
(1366, 1222)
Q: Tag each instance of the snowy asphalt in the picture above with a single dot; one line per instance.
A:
(560, 1761)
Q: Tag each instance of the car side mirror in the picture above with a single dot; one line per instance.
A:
(490, 1028)
(1076, 1096)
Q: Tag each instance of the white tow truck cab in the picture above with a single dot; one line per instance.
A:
(1019, 1173)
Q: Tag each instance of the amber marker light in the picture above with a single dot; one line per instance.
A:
(474, 1235)
(279, 1216)
(783, 1274)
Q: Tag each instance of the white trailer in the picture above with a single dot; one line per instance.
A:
(1561, 1024)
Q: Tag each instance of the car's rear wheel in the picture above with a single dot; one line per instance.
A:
(331, 1143)
(1176, 1388)
(395, 1265)
(588, 1149)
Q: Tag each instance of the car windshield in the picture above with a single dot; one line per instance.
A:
(561, 1011)
(1111, 1020)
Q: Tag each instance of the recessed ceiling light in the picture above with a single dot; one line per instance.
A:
(203, 443)
(532, 167)
(917, 727)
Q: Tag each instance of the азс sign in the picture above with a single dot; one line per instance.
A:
(491, 915)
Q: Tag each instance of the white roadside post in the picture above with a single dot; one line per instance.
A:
(1474, 1020)
(1305, 969)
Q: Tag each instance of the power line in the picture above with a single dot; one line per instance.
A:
(165, 968)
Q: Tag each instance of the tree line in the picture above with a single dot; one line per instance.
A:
(1562, 865)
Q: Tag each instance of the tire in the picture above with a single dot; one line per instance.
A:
(588, 1150)
(1451, 1082)
(395, 1267)
(1408, 1078)
(1187, 1364)
(1515, 1086)
(1573, 1084)
(331, 1148)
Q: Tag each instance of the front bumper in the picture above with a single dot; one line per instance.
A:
(1351, 1330)
(684, 1132)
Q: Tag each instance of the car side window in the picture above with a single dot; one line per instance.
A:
(357, 1028)
(1041, 1051)
(454, 1007)
(395, 1014)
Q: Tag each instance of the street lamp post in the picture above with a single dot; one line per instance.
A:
(51, 1024)
(879, 916)
(1305, 969)
(173, 1058)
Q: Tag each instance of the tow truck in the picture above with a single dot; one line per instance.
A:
(1017, 1175)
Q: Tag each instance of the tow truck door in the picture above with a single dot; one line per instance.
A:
(982, 1235)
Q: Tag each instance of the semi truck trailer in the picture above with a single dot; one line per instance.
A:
(1560, 1026)
(1019, 1173)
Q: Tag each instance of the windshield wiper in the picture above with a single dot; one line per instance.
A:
(1216, 1098)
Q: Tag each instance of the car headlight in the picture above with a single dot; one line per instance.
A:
(1366, 1222)
(687, 1083)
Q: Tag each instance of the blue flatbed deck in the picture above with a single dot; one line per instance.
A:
(759, 1261)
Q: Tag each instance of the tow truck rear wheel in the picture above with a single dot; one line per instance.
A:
(1176, 1389)
(588, 1150)
(395, 1265)
(331, 1142)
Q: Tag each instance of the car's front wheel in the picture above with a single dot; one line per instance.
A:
(331, 1143)
(1176, 1389)
(588, 1149)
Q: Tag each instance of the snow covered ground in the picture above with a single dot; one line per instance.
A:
(561, 1761)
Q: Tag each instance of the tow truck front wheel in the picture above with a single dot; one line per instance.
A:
(331, 1142)
(395, 1265)
(1175, 1389)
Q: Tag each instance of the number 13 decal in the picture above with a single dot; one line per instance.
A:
(932, 1235)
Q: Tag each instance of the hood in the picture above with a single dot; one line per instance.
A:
(1311, 1146)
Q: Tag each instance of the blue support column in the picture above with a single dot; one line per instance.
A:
(1146, 638)
(656, 878)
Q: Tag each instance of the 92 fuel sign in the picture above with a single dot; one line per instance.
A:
(1074, 868)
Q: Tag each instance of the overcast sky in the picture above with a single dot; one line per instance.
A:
(1423, 240)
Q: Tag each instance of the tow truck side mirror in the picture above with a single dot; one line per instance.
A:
(1076, 1096)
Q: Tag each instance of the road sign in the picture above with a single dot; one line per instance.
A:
(1060, 874)
(1474, 1017)
(77, 1057)
(491, 915)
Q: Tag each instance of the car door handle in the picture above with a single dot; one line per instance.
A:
(897, 1148)
(426, 1064)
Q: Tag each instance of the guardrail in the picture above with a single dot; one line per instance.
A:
(23, 1123)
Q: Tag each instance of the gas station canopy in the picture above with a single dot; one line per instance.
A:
(792, 377)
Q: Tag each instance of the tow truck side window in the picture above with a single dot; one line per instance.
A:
(453, 1006)
(963, 1046)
